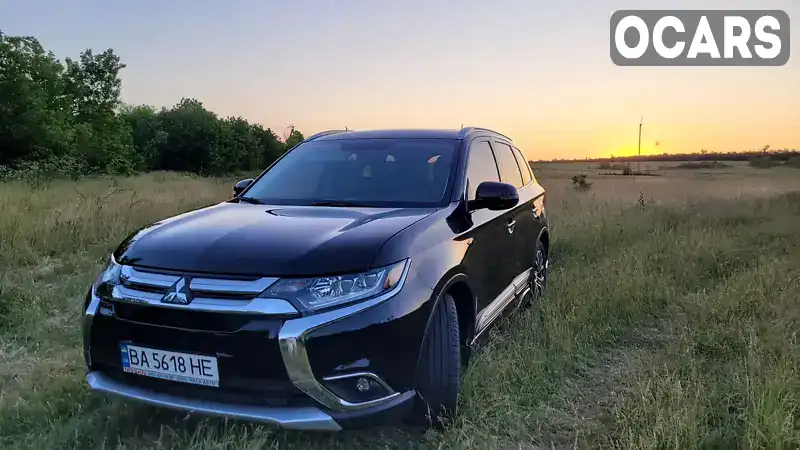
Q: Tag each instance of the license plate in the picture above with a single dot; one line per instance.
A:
(174, 366)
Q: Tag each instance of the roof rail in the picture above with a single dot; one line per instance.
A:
(466, 130)
(324, 133)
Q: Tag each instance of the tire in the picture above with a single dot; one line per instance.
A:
(539, 273)
(438, 380)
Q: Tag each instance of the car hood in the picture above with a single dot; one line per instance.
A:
(263, 240)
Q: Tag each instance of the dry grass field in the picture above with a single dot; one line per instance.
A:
(671, 321)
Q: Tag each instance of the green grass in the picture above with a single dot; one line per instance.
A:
(668, 324)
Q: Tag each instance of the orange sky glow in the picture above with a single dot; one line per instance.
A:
(538, 72)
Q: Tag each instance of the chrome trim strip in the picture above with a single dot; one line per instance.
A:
(490, 312)
(133, 276)
(299, 418)
(369, 375)
(264, 306)
(126, 294)
(493, 310)
(521, 281)
(86, 328)
(295, 357)
(129, 275)
(226, 286)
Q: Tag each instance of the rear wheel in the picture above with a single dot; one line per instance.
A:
(538, 278)
(439, 371)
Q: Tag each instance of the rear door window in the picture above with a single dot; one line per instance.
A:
(507, 163)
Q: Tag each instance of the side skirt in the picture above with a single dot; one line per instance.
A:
(495, 309)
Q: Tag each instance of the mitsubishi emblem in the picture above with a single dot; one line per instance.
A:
(178, 293)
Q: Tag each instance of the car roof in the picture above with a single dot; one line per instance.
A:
(389, 134)
(403, 134)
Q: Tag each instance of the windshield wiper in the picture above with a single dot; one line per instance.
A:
(337, 203)
(250, 200)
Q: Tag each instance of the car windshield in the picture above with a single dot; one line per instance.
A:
(360, 172)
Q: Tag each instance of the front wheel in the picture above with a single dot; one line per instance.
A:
(439, 370)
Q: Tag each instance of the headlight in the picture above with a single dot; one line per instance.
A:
(324, 292)
(107, 279)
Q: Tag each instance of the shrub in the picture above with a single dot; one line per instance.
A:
(36, 173)
(579, 181)
(612, 166)
(794, 162)
(703, 165)
(763, 162)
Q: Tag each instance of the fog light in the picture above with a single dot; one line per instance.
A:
(362, 384)
(357, 387)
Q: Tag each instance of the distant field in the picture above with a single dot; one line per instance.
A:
(671, 321)
(659, 167)
(672, 184)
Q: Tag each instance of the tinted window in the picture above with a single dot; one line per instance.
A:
(509, 170)
(523, 166)
(480, 167)
(369, 172)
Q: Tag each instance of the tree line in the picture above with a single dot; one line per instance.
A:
(67, 119)
(777, 157)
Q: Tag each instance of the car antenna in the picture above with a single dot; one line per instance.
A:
(462, 127)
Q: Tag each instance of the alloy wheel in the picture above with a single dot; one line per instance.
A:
(539, 275)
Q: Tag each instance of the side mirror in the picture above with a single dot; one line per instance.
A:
(241, 186)
(494, 196)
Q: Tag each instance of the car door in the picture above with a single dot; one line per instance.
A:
(516, 220)
(530, 219)
(489, 253)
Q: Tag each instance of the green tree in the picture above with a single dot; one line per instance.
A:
(270, 146)
(192, 136)
(293, 138)
(92, 84)
(237, 147)
(34, 117)
(147, 132)
(60, 119)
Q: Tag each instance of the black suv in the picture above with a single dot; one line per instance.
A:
(342, 287)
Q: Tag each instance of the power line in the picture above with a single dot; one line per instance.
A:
(639, 162)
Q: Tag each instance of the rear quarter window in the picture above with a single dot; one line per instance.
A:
(524, 166)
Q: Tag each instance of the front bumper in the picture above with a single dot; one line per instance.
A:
(297, 418)
(301, 356)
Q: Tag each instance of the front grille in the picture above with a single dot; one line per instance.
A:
(202, 286)
(185, 319)
(251, 368)
(208, 303)
(226, 319)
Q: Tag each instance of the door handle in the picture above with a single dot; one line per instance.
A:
(536, 211)
(511, 224)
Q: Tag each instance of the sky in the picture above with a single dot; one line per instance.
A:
(539, 72)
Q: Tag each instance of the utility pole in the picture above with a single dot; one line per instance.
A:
(639, 159)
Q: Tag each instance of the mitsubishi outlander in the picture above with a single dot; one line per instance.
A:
(343, 287)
